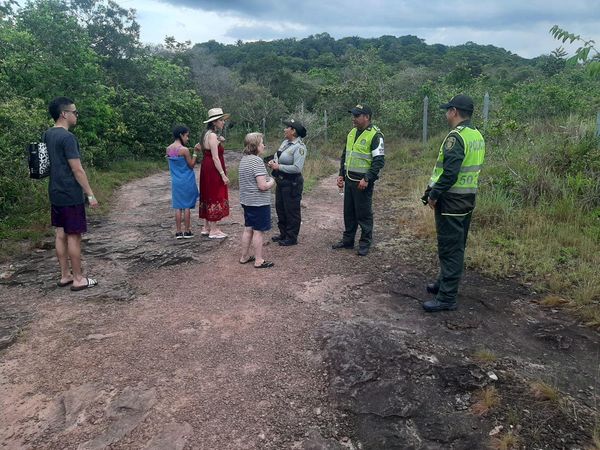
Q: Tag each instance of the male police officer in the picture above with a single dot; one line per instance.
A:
(287, 165)
(362, 159)
(451, 194)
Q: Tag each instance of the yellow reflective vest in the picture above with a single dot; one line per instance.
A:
(468, 176)
(358, 153)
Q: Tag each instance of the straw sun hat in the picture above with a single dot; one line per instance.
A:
(216, 114)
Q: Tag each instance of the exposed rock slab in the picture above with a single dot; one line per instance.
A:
(126, 411)
(173, 437)
(396, 392)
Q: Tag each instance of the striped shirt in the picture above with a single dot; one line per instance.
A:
(252, 166)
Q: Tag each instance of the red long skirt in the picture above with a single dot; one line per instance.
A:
(214, 196)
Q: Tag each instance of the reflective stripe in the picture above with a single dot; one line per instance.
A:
(440, 164)
(353, 179)
(457, 189)
(457, 215)
(359, 170)
(470, 168)
(462, 190)
(360, 156)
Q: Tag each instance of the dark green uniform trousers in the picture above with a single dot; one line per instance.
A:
(452, 234)
(358, 210)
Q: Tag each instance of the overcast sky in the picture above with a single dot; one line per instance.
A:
(520, 26)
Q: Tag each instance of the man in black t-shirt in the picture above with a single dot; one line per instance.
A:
(68, 189)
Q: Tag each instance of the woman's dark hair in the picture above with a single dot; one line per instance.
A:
(58, 105)
(210, 126)
(180, 130)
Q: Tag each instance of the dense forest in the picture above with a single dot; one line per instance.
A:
(392, 74)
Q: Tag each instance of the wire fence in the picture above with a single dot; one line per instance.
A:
(324, 128)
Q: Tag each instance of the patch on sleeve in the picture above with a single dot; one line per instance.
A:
(379, 151)
(450, 142)
(301, 151)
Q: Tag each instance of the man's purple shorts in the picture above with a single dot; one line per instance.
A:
(70, 218)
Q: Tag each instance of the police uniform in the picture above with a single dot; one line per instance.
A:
(362, 158)
(453, 185)
(288, 194)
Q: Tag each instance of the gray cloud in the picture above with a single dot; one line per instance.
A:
(243, 8)
(517, 25)
(407, 13)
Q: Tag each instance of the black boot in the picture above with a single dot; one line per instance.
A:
(432, 288)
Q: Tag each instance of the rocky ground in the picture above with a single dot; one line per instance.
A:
(181, 347)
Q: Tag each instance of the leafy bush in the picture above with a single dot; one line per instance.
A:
(26, 119)
(128, 96)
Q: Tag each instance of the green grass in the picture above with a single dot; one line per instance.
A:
(322, 161)
(544, 392)
(485, 355)
(234, 177)
(486, 399)
(595, 439)
(507, 441)
(315, 169)
(105, 182)
(27, 224)
(558, 253)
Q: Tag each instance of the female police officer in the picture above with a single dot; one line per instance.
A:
(287, 167)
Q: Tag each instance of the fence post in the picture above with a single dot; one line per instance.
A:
(425, 112)
(486, 109)
(264, 129)
(325, 121)
(598, 124)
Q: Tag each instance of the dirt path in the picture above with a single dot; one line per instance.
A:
(182, 347)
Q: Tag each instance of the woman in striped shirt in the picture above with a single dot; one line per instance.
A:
(255, 198)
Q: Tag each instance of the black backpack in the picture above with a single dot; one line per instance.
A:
(39, 159)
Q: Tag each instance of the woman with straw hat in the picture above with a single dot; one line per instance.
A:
(214, 196)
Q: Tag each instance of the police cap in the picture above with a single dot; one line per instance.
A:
(361, 109)
(462, 102)
(300, 130)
